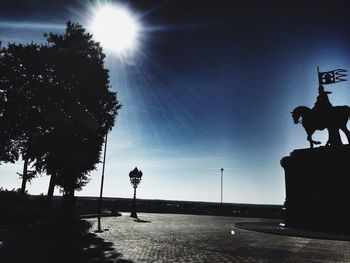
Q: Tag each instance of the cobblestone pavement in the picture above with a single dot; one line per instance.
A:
(192, 238)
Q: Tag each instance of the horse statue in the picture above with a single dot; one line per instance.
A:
(311, 120)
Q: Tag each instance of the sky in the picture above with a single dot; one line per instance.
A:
(210, 85)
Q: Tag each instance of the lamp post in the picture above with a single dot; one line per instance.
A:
(222, 173)
(135, 178)
(99, 230)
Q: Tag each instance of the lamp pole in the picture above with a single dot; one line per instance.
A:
(99, 230)
(135, 178)
(222, 173)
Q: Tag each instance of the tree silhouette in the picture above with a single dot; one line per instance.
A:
(56, 107)
(87, 106)
(8, 146)
(24, 78)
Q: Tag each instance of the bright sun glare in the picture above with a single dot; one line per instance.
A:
(115, 28)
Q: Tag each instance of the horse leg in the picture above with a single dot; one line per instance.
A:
(329, 141)
(309, 138)
(334, 137)
(347, 133)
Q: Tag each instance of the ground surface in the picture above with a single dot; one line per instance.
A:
(189, 238)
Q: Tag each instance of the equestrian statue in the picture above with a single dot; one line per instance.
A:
(323, 116)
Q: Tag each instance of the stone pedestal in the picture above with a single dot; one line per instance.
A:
(318, 189)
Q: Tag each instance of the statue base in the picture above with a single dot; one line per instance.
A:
(318, 189)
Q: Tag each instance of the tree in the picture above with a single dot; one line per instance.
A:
(22, 85)
(57, 107)
(8, 147)
(87, 105)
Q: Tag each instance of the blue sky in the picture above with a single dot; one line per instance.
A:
(211, 86)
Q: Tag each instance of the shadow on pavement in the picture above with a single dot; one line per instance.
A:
(138, 220)
(57, 241)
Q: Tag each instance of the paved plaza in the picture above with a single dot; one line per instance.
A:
(192, 238)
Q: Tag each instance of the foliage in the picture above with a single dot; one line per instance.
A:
(23, 84)
(31, 174)
(56, 105)
(87, 106)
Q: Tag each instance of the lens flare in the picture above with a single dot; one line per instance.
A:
(115, 28)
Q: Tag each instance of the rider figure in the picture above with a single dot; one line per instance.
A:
(322, 105)
(323, 112)
(322, 99)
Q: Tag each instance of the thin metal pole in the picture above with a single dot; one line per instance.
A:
(318, 75)
(101, 190)
(222, 171)
(133, 208)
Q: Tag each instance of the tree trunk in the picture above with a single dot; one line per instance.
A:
(51, 191)
(24, 175)
(68, 201)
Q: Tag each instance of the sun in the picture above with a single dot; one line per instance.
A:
(115, 28)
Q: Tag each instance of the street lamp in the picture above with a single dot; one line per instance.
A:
(135, 178)
(222, 173)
